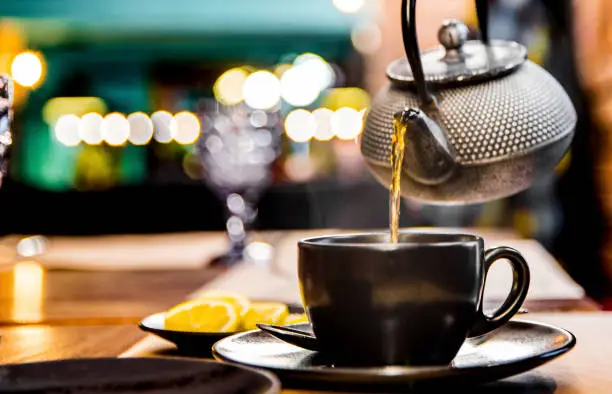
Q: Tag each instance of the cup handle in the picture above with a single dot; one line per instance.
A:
(514, 301)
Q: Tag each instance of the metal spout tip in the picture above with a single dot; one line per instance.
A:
(407, 114)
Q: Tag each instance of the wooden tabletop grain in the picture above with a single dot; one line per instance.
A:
(29, 343)
(56, 314)
(30, 294)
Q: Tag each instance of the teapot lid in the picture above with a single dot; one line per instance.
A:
(459, 61)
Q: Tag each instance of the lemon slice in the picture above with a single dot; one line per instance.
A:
(295, 318)
(239, 301)
(264, 312)
(202, 316)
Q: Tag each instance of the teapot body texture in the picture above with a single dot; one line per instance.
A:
(504, 134)
(479, 121)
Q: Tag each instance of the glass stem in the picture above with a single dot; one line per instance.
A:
(240, 215)
(248, 219)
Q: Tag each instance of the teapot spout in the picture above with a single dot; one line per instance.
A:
(428, 157)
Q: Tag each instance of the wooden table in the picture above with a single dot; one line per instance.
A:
(46, 315)
(585, 369)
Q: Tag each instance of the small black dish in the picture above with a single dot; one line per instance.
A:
(190, 343)
(135, 375)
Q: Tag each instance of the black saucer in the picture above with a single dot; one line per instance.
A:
(135, 375)
(516, 347)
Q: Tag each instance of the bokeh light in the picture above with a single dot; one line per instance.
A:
(115, 129)
(258, 118)
(281, 69)
(261, 90)
(300, 168)
(28, 291)
(90, 128)
(27, 69)
(317, 69)
(323, 119)
(352, 97)
(367, 39)
(32, 246)
(214, 144)
(300, 125)
(228, 87)
(185, 128)
(349, 6)
(141, 128)
(79, 106)
(67, 130)
(161, 122)
(298, 87)
(192, 166)
(347, 123)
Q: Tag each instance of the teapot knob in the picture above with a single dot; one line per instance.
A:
(452, 35)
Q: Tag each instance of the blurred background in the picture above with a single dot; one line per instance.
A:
(123, 111)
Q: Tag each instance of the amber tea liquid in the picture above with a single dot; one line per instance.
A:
(397, 157)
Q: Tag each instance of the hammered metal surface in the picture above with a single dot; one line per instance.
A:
(482, 182)
(486, 122)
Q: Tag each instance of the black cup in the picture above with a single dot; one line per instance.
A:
(411, 303)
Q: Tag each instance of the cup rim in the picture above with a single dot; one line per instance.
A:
(446, 238)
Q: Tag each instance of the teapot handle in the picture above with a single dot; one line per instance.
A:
(482, 13)
(411, 45)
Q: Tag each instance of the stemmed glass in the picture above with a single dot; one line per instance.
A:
(236, 149)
